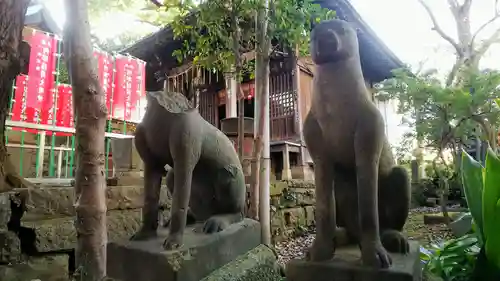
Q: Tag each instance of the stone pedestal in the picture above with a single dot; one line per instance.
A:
(200, 255)
(346, 266)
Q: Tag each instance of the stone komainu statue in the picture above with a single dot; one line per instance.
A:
(358, 186)
(206, 178)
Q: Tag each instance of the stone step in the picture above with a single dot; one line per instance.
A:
(59, 234)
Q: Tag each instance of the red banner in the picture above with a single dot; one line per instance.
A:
(41, 76)
(126, 87)
(105, 73)
(64, 114)
(49, 101)
(141, 90)
(38, 100)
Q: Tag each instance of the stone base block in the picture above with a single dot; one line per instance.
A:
(257, 265)
(200, 255)
(346, 266)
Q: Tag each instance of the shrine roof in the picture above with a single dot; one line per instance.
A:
(377, 60)
(39, 17)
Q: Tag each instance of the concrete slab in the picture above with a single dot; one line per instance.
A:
(346, 266)
(200, 255)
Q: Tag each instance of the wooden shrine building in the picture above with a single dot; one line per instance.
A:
(290, 94)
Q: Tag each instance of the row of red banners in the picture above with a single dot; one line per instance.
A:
(37, 98)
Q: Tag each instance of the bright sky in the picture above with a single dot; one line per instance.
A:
(403, 25)
(405, 28)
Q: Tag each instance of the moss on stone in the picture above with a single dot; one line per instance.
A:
(59, 234)
(58, 201)
(258, 264)
(49, 268)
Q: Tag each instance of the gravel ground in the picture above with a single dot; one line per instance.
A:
(414, 229)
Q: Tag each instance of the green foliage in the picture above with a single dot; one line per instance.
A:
(99, 8)
(207, 35)
(119, 42)
(482, 191)
(443, 116)
(453, 260)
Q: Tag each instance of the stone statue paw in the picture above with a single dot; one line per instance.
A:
(375, 255)
(395, 242)
(215, 224)
(173, 241)
(144, 234)
(320, 251)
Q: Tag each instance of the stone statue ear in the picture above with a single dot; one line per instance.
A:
(334, 41)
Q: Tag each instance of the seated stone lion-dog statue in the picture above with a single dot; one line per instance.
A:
(358, 186)
(206, 180)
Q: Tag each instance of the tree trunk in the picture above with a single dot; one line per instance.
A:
(90, 109)
(443, 188)
(12, 15)
(261, 165)
(237, 65)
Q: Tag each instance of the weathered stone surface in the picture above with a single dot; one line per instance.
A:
(130, 178)
(346, 266)
(59, 234)
(4, 210)
(257, 265)
(288, 222)
(292, 197)
(300, 184)
(122, 153)
(434, 219)
(461, 225)
(49, 268)
(50, 201)
(276, 188)
(10, 247)
(200, 255)
(310, 218)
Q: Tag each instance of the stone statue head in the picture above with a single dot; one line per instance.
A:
(173, 102)
(333, 41)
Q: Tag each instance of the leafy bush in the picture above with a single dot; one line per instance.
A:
(482, 190)
(428, 188)
(453, 260)
(475, 256)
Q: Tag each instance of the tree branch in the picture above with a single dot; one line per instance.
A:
(494, 38)
(157, 3)
(483, 26)
(438, 28)
(453, 4)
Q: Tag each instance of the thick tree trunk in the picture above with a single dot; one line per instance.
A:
(12, 14)
(90, 109)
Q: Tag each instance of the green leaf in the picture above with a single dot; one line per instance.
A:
(472, 179)
(491, 208)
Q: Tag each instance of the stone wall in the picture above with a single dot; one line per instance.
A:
(40, 238)
(292, 210)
